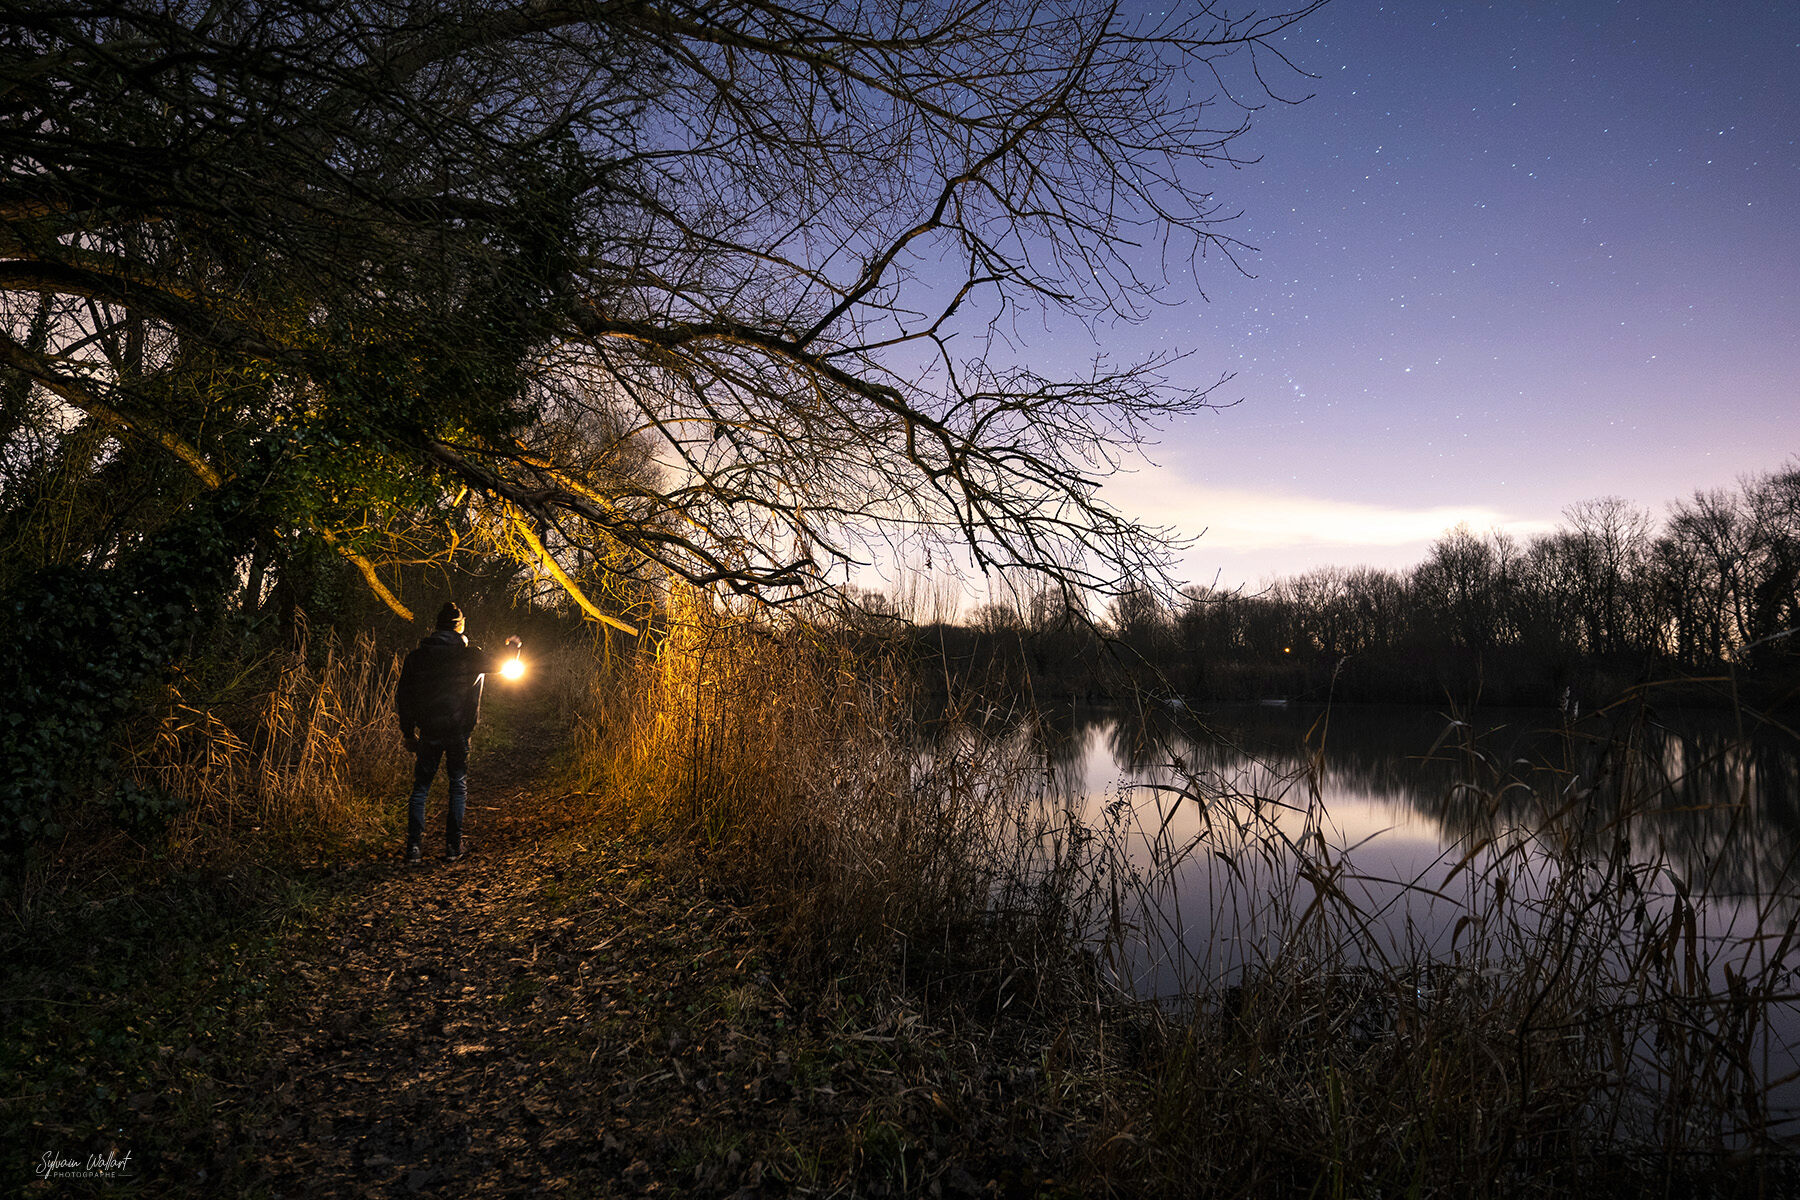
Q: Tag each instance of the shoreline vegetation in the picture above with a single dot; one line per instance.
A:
(923, 994)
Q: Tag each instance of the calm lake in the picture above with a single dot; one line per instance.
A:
(1401, 838)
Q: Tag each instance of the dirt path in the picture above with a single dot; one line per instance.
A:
(488, 1026)
(552, 1013)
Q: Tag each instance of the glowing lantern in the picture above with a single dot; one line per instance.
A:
(514, 669)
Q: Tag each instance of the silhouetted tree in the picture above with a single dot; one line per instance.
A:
(388, 257)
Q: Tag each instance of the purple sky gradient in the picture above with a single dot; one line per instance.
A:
(1509, 257)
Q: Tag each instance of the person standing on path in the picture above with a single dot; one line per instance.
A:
(438, 701)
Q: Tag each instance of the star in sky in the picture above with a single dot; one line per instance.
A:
(1509, 257)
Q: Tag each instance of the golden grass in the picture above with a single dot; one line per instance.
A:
(297, 745)
(792, 761)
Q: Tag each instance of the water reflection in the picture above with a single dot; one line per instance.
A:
(1652, 858)
(1720, 803)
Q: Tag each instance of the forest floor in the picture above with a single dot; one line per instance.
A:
(558, 1011)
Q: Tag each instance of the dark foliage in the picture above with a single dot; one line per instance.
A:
(87, 643)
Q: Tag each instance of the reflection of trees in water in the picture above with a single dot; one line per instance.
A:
(1721, 804)
(1043, 755)
(1573, 832)
(1146, 745)
(1159, 744)
(1716, 804)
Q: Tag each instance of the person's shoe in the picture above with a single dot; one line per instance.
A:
(414, 853)
(453, 850)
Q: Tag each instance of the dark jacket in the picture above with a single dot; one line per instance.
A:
(439, 696)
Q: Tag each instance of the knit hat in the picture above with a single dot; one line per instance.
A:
(449, 615)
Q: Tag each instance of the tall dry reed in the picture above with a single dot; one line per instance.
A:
(793, 759)
(294, 744)
(1572, 1016)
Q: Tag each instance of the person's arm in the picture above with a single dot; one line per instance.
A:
(406, 704)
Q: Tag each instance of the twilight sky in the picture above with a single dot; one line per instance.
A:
(1510, 256)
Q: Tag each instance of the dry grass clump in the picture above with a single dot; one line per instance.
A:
(793, 759)
(298, 744)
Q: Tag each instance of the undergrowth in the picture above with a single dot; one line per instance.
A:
(1592, 1024)
(298, 746)
(792, 761)
(133, 999)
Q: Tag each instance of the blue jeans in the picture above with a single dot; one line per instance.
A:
(455, 755)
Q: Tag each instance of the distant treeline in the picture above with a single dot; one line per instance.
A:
(1605, 601)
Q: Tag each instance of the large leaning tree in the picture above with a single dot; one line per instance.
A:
(706, 291)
